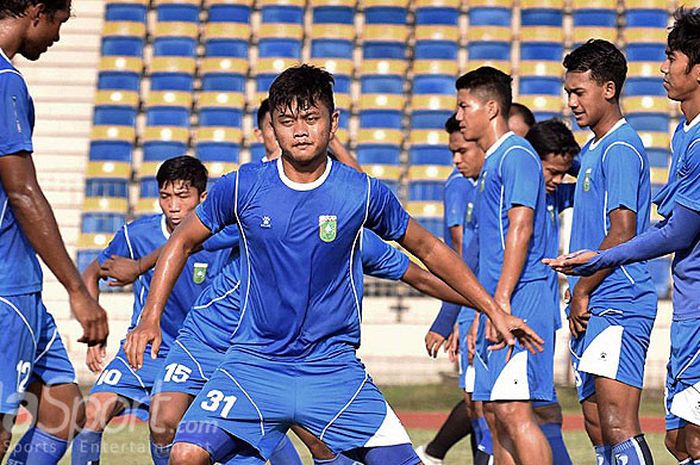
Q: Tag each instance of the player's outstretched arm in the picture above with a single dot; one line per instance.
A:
(123, 270)
(448, 266)
(38, 223)
(429, 284)
(188, 236)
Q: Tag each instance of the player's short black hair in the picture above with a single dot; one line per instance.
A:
(16, 8)
(303, 85)
(263, 110)
(490, 84)
(452, 125)
(605, 62)
(552, 136)
(518, 109)
(685, 34)
(183, 168)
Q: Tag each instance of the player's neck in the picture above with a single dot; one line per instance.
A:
(496, 130)
(691, 107)
(607, 122)
(10, 38)
(304, 173)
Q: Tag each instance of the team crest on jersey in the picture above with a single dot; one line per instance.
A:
(200, 272)
(483, 182)
(327, 227)
(587, 180)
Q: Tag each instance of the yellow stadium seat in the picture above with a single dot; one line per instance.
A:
(432, 102)
(300, 3)
(583, 136)
(343, 135)
(333, 31)
(442, 32)
(428, 137)
(146, 206)
(658, 175)
(385, 32)
(217, 169)
(124, 98)
(541, 34)
(281, 31)
(647, 35)
(346, 3)
(594, 4)
(381, 101)
(223, 65)
(335, 65)
(379, 136)
(446, 67)
(583, 34)
(645, 104)
(429, 172)
(383, 172)
(169, 98)
(394, 3)
(647, 4)
(105, 205)
(148, 169)
(113, 133)
(273, 65)
(176, 29)
(425, 209)
(543, 103)
(108, 169)
(550, 4)
(504, 66)
(489, 34)
(93, 240)
(643, 69)
(343, 101)
(383, 67)
(438, 3)
(218, 134)
(540, 68)
(164, 134)
(229, 2)
(123, 64)
(660, 140)
(170, 2)
(221, 100)
(226, 31)
(490, 3)
(168, 64)
(123, 29)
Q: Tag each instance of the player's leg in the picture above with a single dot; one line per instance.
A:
(456, 426)
(550, 419)
(165, 414)
(500, 453)
(184, 453)
(483, 455)
(526, 442)
(692, 441)
(101, 407)
(675, 444)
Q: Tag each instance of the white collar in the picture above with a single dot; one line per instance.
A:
(615, 127)
(2, 54)
(303, 186)
(690, 125)
(164, 227)
(498, 143)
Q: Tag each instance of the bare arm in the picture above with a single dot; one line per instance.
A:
(38, 223)
(431, 285)
(520, 226)
(456, 234)
(343, 155)
(91, 276)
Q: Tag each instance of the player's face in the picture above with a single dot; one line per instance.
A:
(554, 167)
(177, 199)
(266, 136)
(43, 31)
(304, 134)
(472, 114)
(680, 84)
(587, 99)
(517, 124)
(467, 157)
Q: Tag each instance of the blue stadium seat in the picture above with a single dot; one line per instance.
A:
(221, 109)
(583, 33)
(436, 42)
(541, 43)
(102, 223)
(381, 111)
(341, 69)
(226, 40)
(379, 146)
(229, 11)
(123, 38)
(107, 179)
(161, 143)
(540, 78)
(431, 111)
(427, 182)
(644, 78)
(645, 44)
(266, 70)
(428, 214)
(112, 143)
(168, 108)
(646, 13)
(219, 144)
(172, 73)
(177, 10)
(490, 13)
(384, 41)
(544, 106)
(489, 43)
(332, 41)
(503, 65)
(126, 10)
(333, 11)
(594, 13)
(288, 11)
(175, 39)
(433, 12)
(123, 73)
(389, 175)
(382, 76)
(647, 113)
(280, 40)
(542, 13)
(657, 147)
(225, 74)
(434, 77)
(429, 147)
(115, 107)
(385, 11)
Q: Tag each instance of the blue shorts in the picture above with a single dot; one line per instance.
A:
(256, 400)
(524, 376)
(482, 378)
(52, 365)
(187, 368)
(547, 403)
(615, 347)
(683, 375)
(21, 318)
(585, 383)
(118, 377)
(466, 370)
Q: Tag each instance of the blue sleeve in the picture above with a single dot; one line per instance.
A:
(119, 246)
(620, 165)
(15, 124)
(455, 203)
(688, 193)
(565, 196)
(522, 179)
(678, 233)
(227, 238)
(381, 260)
(385, 215)
(445, 320)
(217, 211)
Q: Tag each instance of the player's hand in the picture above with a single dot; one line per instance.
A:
(433, 343)
(508, 328)
(91, 316)
(573, 263)
(452, 346)
(120, 270)
(136, 341)
(579, 313)
(94, 358)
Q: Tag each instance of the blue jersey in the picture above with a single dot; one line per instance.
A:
(459, 203)
(557, 202)
(301, 278)
(614, 174)
(215, 314)
(20, 272)
(143, 236)
(683, 187)
(511, 176)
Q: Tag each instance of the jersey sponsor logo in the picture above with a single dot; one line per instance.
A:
(266, 222)
(327, 227)
(200, 272)
(587, 180)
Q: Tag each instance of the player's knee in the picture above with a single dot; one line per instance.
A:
(551, 414)
(672, 444)
(692, 445)
(188, 454)
(163, 427)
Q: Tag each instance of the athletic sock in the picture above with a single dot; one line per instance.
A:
(696, 462)
(339, 459)
(285, 454)
(37, 447)
(160, 454)
(86, 448)
(603, 454)
(482, 458)
(477, 433)
(633, 451)
(456, 427)
(687, 461)
(486, 443)
(560, 456)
